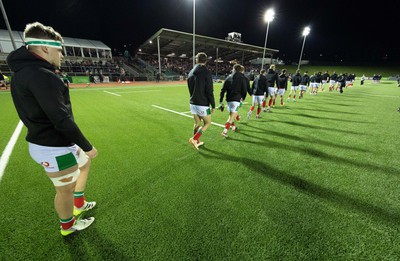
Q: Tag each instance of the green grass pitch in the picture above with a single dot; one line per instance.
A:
(316, 179)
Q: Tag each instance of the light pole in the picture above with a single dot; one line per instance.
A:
(268, 17)
(194, 30)
(306, 31)
(3, 11)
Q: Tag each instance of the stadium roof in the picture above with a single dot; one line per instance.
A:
(6, 45)
(180, 44)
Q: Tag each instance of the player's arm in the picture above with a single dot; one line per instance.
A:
(210, 91)
(223, 90)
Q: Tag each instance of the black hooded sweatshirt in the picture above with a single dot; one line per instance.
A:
(260, 85)
(272, 78)
(200, 86)
(42, 102)
(235, 87)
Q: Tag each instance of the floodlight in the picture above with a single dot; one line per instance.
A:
(269, 15)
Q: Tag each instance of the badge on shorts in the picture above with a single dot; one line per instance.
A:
(66, 161)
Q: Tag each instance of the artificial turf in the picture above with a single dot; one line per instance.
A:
(316, 179)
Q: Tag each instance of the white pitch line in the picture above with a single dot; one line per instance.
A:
(140, 91)
(112, 93)
(183, 114)
(5, 156)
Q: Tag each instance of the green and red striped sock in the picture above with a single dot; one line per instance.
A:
(79, 199)
(67, 223)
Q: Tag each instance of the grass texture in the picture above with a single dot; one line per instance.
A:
(316, 179)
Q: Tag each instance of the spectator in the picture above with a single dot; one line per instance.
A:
(3, 82)
(158, 77)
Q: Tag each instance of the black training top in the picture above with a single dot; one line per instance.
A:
(305, 80)
(272, 78)
(282, 81)
(42, 102)
(296, 79)
(200, 86)
(260, 85)
(235, 87)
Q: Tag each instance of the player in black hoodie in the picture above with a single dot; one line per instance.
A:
(282, 84)
(235, 87)
(259, 88)
(332, 81)
(296, 79)
(341, 82)
(325, 79)
(201, 91)
(272, 81)
(304, 83)
(55, 140)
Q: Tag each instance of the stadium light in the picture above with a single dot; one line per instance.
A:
(306, 32)
(268, 17)
(194, 31)
(3, 11)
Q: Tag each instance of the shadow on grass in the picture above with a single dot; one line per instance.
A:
(315, 153)
(303, 139)
(324, 103)
(330, 111)
(351, 97)
(89, 244)
(308, 188)
(327, 118)
(298, 124)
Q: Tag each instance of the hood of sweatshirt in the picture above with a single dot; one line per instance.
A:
(21, 58)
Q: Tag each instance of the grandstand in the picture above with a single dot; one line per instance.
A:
(82, 57)
(172, 50)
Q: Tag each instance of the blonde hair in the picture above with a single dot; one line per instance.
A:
(40, 31)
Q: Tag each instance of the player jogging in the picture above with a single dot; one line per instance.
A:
(272, 78)
(238, 118)
(259, 88)
(235, 87)
(304, 83)
(313, 83)
(295, 79)
(201, 91)
(325, 79)
(341, 82)
(332, 81)
(282, 84)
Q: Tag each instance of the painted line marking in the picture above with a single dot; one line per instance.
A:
(112, 93)
(5, 156)
(183, 114)
(140, 91)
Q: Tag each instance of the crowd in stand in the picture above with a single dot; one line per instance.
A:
(88, 67)
(182, 66)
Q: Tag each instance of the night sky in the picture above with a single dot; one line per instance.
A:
(340, 30)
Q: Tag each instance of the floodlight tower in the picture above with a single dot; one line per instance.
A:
(194, 31)
(306, 31)
(268, 17)
(3, 11)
